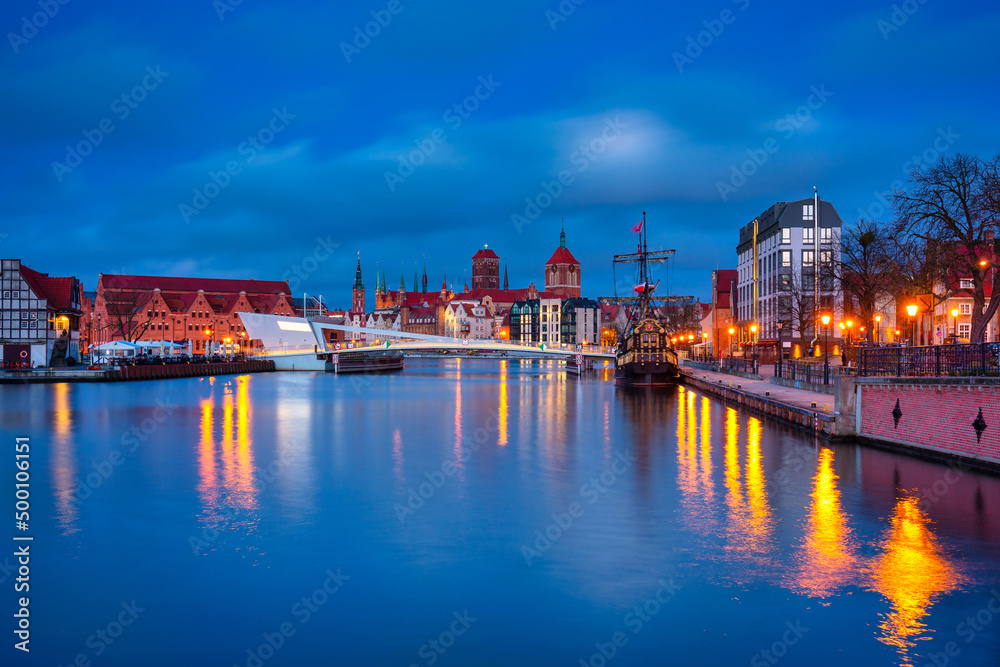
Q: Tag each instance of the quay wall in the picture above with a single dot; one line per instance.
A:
(812, 420)
(166, 371)
(949, 417)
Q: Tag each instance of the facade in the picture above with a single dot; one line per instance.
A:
(40, 317)
(358, 290)
(580, 322)
(562, 271)
(537, 320)
(786, 259)
(204, 311)
(485, 269)
(468, 319)
(721, 319)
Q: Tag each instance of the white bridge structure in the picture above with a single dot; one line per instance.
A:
(297, 343)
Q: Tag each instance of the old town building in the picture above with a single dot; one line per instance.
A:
(40, 317)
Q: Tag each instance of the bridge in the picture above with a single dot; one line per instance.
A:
(297, 343)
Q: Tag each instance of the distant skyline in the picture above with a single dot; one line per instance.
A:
(237, 140)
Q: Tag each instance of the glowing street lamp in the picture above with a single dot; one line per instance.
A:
(954, 325)
(826, 319)
(878, 328)
(911, 310)
(753, 334)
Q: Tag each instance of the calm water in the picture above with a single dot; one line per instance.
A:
(482, 514)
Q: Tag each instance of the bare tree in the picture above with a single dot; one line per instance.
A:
(953, 206)
(796, 304)
(128, 316)
(867, 270)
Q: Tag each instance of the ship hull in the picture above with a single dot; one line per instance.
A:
(663, 374)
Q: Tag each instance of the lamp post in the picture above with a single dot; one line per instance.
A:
(825, 319)
(209, 332)
(731, 332)
(878, 328)
(911, 310)
(781, 351)
(753, 339)
(954, 325)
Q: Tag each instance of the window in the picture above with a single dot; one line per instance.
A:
(826, 257)
(786, 258)
(808, 212)
(24, 314)
(965, 309)
(808, 259)
(826, 235)
(965, 283)
(807, 235)
(964, 330)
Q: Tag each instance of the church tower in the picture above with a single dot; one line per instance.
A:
(358, 291)
(562, 271)
(485, 269)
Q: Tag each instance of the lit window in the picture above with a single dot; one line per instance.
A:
(965, 283)
(808, 258)
(826, 234)
(786, 258)
(964, 330)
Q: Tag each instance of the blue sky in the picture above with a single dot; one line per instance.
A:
(637, 105)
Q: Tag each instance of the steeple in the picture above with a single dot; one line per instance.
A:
(402, 281)
(415, 277)
(505, 277)
(562, 235)
(357, 274)
(424, 281)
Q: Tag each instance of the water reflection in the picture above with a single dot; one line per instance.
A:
(827, 559)
(63, 459)
(749, 522)
(227, 485)
(502, 439)
(912, 572)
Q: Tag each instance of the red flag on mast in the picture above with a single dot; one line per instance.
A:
(638, 227)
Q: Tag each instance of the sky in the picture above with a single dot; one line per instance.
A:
(248, 139)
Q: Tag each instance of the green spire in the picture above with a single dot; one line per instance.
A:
(402, 282)
(385, 283)
(562, 235)
(424, 283)
(357, 275)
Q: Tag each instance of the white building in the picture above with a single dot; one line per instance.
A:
(468, 319)
(786, 259)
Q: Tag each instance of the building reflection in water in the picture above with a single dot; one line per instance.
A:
(827, 559)
(227, 486)
(912, 572)
(64, 459)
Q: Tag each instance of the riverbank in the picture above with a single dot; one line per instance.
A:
(125, 373)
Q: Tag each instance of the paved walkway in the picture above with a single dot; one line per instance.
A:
(800, 398)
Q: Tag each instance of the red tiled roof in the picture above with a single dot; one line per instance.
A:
(214, 285)
(562, 256)
(58, 291)
(500, 295)
(485, 253)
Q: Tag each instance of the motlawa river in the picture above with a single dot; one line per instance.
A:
(478, 513)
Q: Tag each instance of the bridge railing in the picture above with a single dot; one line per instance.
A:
(472, 344)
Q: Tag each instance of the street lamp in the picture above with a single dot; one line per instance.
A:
(954, 325)
(825, 319)
(753, 335)
(911, 310)
(731, 332)
(781, 351)
(209, 332)
(878, 328)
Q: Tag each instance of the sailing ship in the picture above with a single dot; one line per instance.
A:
(644, 355)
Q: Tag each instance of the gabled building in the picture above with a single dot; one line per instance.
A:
(40, 317)
(562, 271)
(204, 311)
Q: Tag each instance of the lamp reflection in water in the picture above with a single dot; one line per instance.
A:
(826, 561)
(694, 466)
(227, 484)
(63, 459)
(502, 439)
(749, 520)
(761, 525)
(911, 573)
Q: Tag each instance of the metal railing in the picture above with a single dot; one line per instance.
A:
(810, 372)
(971, 360)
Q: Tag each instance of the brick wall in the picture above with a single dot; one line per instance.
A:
(938, 416)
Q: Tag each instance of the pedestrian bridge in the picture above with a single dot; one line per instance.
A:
(297, 343)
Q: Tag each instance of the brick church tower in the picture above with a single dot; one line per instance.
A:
(486, 269)
(562, 271)
(358, 291)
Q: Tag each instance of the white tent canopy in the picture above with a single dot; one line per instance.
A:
(154, 346)
(117, 348)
